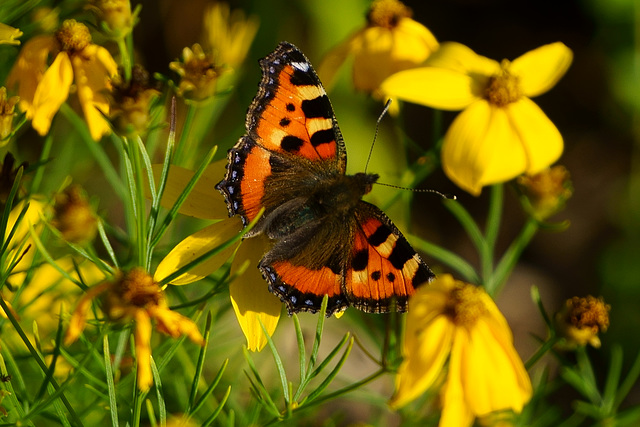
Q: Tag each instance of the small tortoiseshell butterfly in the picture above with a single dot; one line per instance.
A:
(326, 240)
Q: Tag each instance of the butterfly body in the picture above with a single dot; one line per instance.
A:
(325, 239)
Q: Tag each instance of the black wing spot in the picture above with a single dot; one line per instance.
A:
(291, 143)
(380, 236)
(317, 107)
(391, 277)
(401, 253)
(322, 137)
(376, 275)
(291, 107)
(360, 260)
(284, 122)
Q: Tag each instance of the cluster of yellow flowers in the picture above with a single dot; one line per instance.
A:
(456, 339)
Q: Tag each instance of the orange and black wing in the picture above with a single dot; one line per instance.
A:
(384, 270)
(292, 134)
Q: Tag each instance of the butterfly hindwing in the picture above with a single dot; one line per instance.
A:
(384, 270)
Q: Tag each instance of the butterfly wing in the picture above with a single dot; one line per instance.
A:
(291, 124)
(384, 270)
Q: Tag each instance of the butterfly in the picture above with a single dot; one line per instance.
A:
(325, 240)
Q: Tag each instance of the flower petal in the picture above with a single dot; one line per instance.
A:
(28, 70)
(426, 348)
(142, 338)
(493, 374)
(333, 59)
(175, 324)
(434, 87)
(197, 245)
(93, 69)
(540, 138)
(250, 296)
(455, 409)
(204, 201)
(52, 91)
(458, 57)
(540, 69)
(481, 147)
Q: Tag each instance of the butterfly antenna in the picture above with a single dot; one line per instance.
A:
(421, 190)
(375, 136)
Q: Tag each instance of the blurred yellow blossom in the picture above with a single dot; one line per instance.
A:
(7, 113)
(547, 191)
(198, 73)
(73, 216)
(390, 42)
(8, 35)
(251, 300)
(501, 133)
(134, 295)
(46, 18)
(582, 319)
(115, 15)
(44, 88)
(229, 34)
(449, 319)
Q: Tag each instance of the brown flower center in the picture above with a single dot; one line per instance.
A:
(138, 288)
(588, 312)
(73, 36)
(465, 305)
(387, 13)
(504, 87)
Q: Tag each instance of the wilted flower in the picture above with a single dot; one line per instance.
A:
(8, 35)
(582, 319)
(253, 304)
(228, 34)
(131, 102)
(7, 113)
(449, 319)
(547, 191)
(501, 133)
(198, 73)
(73, 216)
(43, 88)
(135, 296)
(390, 42)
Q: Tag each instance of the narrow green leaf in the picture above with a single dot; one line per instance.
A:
(332, 374)
(200, 363)
(215, 413)
(157, 381)
(210, 389)
(113, 401)
(279, 365)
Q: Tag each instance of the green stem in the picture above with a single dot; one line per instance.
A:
(491, 235)
(181, 147)
(125, 58)
(138, 201)
(37, 177)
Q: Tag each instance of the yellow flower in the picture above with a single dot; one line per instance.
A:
(115, 15)
(229, 34)
(43, 89)
(449, 319)
(250, 297)
(74, 217)
(582, 319)
(198, 73)
(390, 42)
(135, 296)
(8, 35)
(547, 191)
(501, 133)
(7, 113)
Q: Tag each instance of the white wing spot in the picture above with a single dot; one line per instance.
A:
(302, 66)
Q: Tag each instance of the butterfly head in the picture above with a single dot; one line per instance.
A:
(365, 181)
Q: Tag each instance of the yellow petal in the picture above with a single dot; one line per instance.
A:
(250, 296)
(197, 245)
(334, 59)
(426, 348)
(204, 201)
(455, 410)
(28, 70)
(540, 138)
(142, 336)
(493, 374)
(175, 324)
(434, 87)
(481, 147)
(540, 69)
(8, 35)
(52, 91)
(93, 70)
(458, 57)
